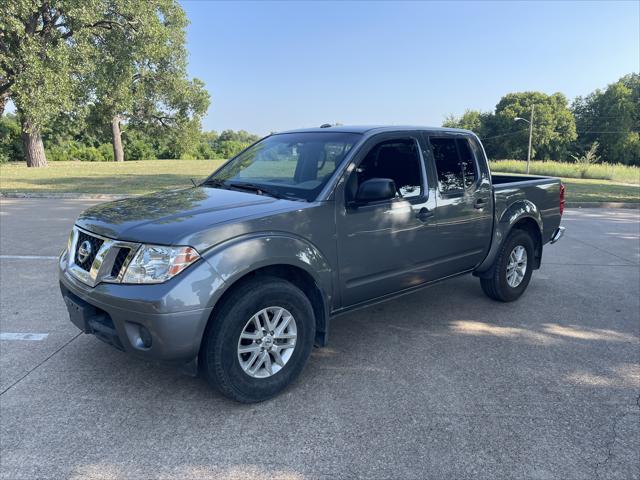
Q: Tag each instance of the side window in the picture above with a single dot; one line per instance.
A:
(445, 153)
(455, 164)
(468, 162)
(398, 160)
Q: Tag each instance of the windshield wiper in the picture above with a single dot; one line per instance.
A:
(214, 182)
(259, 189)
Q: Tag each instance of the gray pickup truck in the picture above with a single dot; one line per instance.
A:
(241, 275)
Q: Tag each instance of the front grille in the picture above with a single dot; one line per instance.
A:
(95, 244)
(97, 259)
(121, 257)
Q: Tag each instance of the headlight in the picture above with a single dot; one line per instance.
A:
(70, 241)
(157, 264)
(66, 252)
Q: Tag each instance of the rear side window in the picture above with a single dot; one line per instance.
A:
(445, 153)
(455, 164)
(467, 162)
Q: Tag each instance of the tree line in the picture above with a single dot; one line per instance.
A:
(81, 70)
(606, 122)
(107, 80)
(89, 141)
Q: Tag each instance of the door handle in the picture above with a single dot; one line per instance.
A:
(479, 203)
(424, 214)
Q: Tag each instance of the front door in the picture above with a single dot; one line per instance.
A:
(385, 247)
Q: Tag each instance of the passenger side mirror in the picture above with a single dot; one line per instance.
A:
(375, 190)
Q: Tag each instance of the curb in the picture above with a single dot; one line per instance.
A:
(71, 196)
(634, 206)
(108, 196)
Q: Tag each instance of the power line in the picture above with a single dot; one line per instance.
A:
(504, 134)
(610, 131)
(577, 132)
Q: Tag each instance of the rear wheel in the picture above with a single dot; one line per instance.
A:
(512, 269)
(259, 340)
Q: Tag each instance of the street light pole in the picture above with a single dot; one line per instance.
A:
(530, 136)
(530, 122)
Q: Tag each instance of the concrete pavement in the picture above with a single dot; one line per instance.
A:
(443, 383)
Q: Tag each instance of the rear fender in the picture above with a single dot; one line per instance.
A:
(503, 225)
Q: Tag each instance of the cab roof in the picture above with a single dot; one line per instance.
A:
(370, 129)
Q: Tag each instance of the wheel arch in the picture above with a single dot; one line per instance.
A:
(290, 258)
(529, 225)
(523, 215)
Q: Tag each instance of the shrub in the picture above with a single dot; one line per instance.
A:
(106, 151)
(203, 151)
(587, 159)
(72, 150)
(136, 149)
(62, 151)
(10, 140)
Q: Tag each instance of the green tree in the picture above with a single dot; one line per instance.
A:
(141, 77)
(473, 120)
(170, 109)
(56, 54)
(42, 46)
(554, 127)
(611, 118)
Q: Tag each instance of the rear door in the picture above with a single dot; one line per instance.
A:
(465, 201)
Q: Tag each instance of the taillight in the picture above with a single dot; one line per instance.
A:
(561, 198)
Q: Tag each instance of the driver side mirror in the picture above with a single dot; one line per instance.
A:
(375, 190)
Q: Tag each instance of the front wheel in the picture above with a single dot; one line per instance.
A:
(512, 268)
(259, 340)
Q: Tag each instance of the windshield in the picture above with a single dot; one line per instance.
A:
(294, 165)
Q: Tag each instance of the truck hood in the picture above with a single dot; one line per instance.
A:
(171, 217)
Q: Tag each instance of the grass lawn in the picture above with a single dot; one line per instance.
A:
(151, 175)
(584, 190)
(598, 171)
(104, 177)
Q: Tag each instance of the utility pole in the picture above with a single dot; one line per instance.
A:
(530, 136)
(530, 122)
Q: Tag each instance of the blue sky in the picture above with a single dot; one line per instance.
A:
(271, 66)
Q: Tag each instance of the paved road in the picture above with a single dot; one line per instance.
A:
(443, 383)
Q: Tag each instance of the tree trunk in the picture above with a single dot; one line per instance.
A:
(118, 152)
(33, 146)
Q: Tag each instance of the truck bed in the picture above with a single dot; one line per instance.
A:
(502, 179)
(542, 193)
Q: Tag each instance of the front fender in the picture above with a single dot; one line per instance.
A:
(237, 257)
(503, 224)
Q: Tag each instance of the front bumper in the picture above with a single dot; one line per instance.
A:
(162, 322)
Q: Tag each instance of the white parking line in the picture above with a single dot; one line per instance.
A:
(23, 336)
(27, 257)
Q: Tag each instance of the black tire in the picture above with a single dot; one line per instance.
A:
(219, 355)
(496, 286)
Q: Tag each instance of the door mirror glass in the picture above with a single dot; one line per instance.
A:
(375, 190)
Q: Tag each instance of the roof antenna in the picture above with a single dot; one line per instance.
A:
(325, 125)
